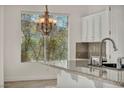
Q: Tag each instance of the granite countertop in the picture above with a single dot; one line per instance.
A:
(81, 67)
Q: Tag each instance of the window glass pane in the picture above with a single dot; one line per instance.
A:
(32, 46)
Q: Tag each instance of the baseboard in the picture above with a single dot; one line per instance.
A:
(24, 78)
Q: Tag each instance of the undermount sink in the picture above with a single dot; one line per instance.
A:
(111, 65)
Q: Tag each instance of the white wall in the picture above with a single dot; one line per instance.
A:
(117, 26)
(120, 31)
(13, 68)
(1, 46)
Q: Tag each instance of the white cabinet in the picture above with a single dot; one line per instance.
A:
(108, 23)
(95, 27)
(90, 29)
(104, 25)
(85, 29)
(97, 24)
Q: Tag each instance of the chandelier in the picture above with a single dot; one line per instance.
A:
(46, 23)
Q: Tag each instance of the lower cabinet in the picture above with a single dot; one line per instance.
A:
(68, 80)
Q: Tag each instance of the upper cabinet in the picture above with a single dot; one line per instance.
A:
(107, 23)
(95, 27)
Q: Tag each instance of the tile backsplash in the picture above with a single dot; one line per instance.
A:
(86, 49)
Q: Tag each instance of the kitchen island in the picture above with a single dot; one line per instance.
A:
(77, 73)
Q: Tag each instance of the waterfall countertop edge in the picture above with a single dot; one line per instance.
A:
(81, 67)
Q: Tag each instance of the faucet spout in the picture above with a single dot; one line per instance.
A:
(114, 46)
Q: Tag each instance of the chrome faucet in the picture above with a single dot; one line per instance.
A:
(101, 46)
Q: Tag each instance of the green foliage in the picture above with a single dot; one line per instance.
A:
(57, 46)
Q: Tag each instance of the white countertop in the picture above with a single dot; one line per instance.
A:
(81, 67)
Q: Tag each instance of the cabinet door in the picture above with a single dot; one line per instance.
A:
(90, 33)
(97, 26)
(104, 24)
(85, 29)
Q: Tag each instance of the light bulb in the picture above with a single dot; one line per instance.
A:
(54, 21)
(50, 20)
(42, 20)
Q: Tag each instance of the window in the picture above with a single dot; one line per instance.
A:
(32, 45)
